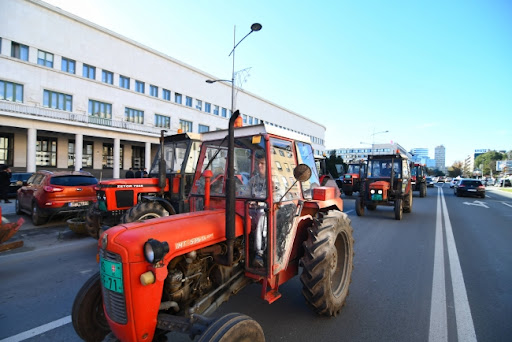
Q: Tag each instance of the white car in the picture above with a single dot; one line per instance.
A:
(453, 182)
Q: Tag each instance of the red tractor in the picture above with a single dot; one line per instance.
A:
(419, 178)
(387, 182)
(257, 214)
(163, 193)
(351, 180)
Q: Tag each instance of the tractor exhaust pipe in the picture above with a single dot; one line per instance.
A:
(230, 190)
(162, 176)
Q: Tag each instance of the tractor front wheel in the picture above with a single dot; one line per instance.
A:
(87, 314)
(144, 211)
(93, 220)
(408, 203)
(233, 327)
(328, 262)
(359, 206)
(398, 209)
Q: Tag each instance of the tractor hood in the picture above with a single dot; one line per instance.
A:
(183, 232)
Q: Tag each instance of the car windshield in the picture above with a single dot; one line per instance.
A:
(73, 180)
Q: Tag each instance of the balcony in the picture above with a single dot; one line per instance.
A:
(39, 113)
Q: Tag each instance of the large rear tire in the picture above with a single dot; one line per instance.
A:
(359, 207)
(93, 220)
(408, 203)
(423, 190)
(233, 327)
(327, 263)
(87, 314)
(398, 209)
(144, 211)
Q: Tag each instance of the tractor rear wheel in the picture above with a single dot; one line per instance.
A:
(233, 327)
(327, 263)
(359, 207)
(398, 209)
(93, 220)
(423, 190)
(87, 314)
(408, 203)
(144, 211)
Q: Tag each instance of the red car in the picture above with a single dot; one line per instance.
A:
(48, 193)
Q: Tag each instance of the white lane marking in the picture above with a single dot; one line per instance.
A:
(348, 211)
(476, 203)
(464, 320)
(39, 330)
(438, 331)
(508, 205)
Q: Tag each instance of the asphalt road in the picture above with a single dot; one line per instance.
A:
(443, 273)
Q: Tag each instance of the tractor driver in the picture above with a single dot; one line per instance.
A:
(387, 171)
(258, 187)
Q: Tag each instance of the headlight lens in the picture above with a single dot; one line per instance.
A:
(155, 251)
(380, 192)
(372, 191)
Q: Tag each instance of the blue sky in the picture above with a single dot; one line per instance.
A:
(429, 72)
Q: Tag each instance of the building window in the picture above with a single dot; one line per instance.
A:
(107, 77)
(6, 149)
(45, 58)
(19, 51)
(46, 152)
(108, 156)
(177, 98)
(153, 90)
(207, 107)
(204, 128)
(162, 121)
(124, 82)
(244, 118)
(188, 101)
(56, 100)
(11, 91)
(89, 71)
(87, 153)
(68, 65)
(199, 105)
(224, 112)
(134, 115)
(139, 87)
(216, 110)
(185, 126)
(100, 109)
(166, 94)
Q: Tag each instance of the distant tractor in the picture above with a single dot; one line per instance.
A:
(419, 178)
(170, 273)
(163, 193)
(387, 182)
(351, 180)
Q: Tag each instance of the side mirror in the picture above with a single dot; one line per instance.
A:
(302, 172)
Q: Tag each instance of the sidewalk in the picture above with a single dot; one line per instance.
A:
(499, 191)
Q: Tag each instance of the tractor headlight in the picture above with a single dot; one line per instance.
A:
(154, 250)
(380, 192)
(372, 191)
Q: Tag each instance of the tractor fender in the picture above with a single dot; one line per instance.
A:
(162, 201)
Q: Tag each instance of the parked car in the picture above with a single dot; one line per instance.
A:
(47, 194)
(504, 182)
(473, 187)
(17, 180)
(430, 182)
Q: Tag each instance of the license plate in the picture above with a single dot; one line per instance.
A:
(78, 204)
(472, 190)
(111, 275)
(376, 197)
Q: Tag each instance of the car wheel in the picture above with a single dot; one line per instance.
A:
(37, 216)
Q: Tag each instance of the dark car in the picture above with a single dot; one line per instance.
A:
(17, 180)
(504, 182)
(47, 194)
(473, 187)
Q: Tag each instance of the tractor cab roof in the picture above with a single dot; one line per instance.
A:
(388, 156)
(259, 129)
(183, 136)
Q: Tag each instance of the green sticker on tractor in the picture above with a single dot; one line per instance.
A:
(111, 275)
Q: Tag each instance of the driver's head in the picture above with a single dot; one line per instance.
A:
(260, 163)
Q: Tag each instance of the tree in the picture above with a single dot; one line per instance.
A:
(455, 170)
(487, 161)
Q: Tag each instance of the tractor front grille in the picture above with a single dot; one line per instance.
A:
(115, 303)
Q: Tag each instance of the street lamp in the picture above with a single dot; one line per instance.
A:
(254, 28)
(373, 137)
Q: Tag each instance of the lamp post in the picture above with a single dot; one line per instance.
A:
(254, 28)
(373, 137)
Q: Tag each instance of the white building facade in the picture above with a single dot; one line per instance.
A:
(440, 158)
(74, 95)
(349, 154)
